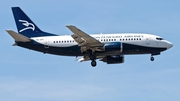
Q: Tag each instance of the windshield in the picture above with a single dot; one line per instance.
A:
(159, 38)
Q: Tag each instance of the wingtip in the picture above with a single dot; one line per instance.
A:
(70, 26)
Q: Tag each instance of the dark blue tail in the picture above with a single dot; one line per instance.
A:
(26, 26)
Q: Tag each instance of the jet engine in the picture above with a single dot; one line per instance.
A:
(113, 59)
(115, 46)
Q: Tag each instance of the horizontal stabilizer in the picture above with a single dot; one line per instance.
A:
(18, 37)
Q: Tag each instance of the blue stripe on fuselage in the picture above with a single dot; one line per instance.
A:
(76, 50)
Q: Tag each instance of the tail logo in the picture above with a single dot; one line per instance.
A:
(27, 24)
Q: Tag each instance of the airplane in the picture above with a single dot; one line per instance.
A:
(109, 48)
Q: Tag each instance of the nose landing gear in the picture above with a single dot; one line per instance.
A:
(152, 58)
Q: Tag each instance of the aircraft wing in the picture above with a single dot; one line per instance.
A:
(84, 40)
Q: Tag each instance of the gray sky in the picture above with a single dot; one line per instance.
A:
(26, 75)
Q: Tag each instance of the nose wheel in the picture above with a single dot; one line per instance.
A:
(152, 58)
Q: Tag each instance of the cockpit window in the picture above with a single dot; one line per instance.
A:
(159, 38)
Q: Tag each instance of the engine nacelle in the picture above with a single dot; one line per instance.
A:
(115, 46)
(113, 59)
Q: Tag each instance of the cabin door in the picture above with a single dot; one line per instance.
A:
(46, 45)
(148, 41)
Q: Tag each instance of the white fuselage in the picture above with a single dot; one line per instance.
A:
(146, 40)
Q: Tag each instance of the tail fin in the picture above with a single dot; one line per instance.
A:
(26, 26)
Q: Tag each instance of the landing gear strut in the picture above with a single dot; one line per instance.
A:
(93, 57)
(152, 58)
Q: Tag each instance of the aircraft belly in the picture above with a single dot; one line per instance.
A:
(137, 49)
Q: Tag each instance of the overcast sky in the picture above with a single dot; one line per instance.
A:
(26, 75)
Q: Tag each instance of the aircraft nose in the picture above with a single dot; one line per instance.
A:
(169, 45)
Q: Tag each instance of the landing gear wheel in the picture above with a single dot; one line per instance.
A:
(152, 58)
(93, 63)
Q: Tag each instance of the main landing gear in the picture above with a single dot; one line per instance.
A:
(93, 63)
(93, 58)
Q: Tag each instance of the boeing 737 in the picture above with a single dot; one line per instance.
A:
(109, 48)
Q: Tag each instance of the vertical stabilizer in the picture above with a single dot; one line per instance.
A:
(25, 25)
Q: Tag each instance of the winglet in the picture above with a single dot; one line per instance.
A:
(18, 37)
